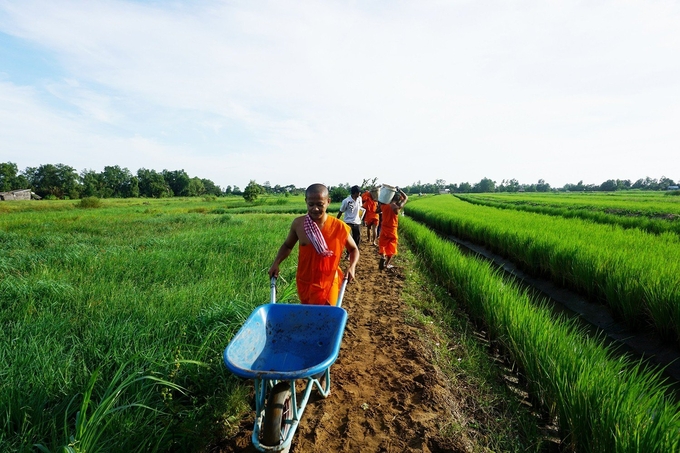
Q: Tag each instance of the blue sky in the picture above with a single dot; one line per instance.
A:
(295, 92)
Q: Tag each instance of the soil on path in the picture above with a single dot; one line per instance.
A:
(386, 395)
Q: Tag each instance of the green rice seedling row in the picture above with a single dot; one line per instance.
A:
(651, 212)
(636, 273)
(603, 403)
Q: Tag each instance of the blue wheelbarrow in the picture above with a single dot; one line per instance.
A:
(277, 345)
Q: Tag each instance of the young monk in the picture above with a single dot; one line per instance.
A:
(322, 240)
(370, 217)
(387, 243)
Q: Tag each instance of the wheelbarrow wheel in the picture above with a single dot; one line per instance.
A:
(278, 409)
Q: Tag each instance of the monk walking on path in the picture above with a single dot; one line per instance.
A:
(387, 243)
(371, 217)
(322, 240)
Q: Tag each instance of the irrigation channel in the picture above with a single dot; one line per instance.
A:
(594, 317)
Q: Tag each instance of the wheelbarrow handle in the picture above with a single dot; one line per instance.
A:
(272, 286)
(341, 293)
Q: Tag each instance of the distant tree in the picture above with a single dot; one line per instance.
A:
(196, 187)
(211, 188)
(650, 183)
(542, 186)
(338, 193)
(580, 187)
(178, 181)
(91, 184)
(290, 189)
(608, 186)
(419, 187)
(485, 185)
(119, 183)
(623, 184)
(133, 189)
(152, 184)
(252, 191)
(57, 181)
(428, 188)
(21, 182)
(10, 179)
(512, 185)
(639, 184)
(664, 183)
(465, 187)
(8, 171)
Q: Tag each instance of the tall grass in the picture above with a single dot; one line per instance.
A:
(637, 274)
(604, 404)
(152, 285)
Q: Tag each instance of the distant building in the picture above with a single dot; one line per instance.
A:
(22, 194)
(443, 191)
(673, 187)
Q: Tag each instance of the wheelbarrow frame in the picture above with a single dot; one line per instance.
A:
(265, 380)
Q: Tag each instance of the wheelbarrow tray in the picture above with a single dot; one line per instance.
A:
(286, 341)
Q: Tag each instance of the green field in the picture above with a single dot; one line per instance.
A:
(150, 289)
(603, 403)
(634, 272)
(114, 318)
(654, 212)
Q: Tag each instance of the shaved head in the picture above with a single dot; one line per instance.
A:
(317, 189)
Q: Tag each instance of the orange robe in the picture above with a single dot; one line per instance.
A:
(387, 243)
(371, 206)
(318, 278)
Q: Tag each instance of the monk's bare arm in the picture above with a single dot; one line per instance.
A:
(403, 198)
(285, 249)
(353, 250)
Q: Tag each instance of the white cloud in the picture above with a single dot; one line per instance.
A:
(293, 91)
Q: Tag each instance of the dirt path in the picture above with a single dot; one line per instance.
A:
(386, 396)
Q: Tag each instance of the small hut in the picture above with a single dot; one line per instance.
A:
(22, 194)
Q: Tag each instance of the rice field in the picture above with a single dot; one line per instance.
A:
(126, 306)
(602, 403)
(635, 273)
(114, 318)
(654, 212)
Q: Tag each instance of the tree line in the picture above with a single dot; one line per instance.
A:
(512, 185)
(59, 181)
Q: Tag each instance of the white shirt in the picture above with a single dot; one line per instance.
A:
(350, 207)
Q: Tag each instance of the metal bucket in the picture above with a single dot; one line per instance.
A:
(386, 194)
(375, 193)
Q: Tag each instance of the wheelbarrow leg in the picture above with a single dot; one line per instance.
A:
(324, 382)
